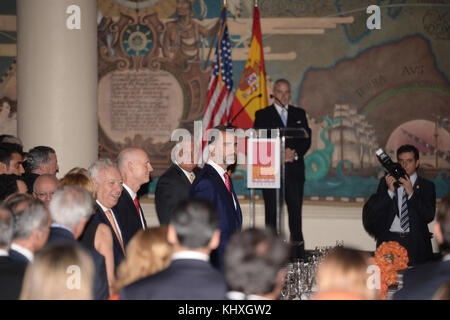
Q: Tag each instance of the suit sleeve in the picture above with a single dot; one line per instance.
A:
(257, 124)
(303, 145)
(165, 199)
(376, 211)
(423, 203)
(101, 290)
(204, 190)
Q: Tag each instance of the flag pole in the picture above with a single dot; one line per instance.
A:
(220, 31)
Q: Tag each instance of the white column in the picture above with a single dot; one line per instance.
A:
(57, 78)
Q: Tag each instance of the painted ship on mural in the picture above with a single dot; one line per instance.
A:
(354, 140)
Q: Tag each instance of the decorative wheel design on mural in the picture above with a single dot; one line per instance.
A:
(137, 40)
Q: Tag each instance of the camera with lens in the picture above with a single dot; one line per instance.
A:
(393, 168)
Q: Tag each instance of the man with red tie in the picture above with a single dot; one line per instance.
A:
(135, 168)
(214, 185)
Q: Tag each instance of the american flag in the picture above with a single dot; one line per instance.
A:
(220, 95)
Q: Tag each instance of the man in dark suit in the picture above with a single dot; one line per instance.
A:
(282, 115)
(31, 227)
(108, 188)
(402, 212)
(194, 233)
(134, 166)
(40, 160)
(422, 282)
(174, 185)
(11, 272)
(214, 185)
(70, 209)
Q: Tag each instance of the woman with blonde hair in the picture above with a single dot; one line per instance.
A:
(103, 242)
(147, 252)
(343, 275)
(59, 272)
(79, 177)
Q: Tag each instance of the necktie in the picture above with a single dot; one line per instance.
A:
(227, 182)
(283, 116)
(114, 226)
(136, 204)
(191, 177)
(404, 218)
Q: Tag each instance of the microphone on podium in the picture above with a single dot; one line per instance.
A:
(245, 106)
(278, 100)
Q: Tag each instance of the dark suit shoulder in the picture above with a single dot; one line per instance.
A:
(11, 277)
(183, 279)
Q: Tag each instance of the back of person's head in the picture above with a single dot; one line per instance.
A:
(36, 156)
(254, 259)
(147, 253)
(78, 178)
(195, 222)
(443, 293)
(6, 227)
(9, 185)
(344, 270)
(18, 201)
(70, 205)
(443, 222)
(30, 218)
(59, 272)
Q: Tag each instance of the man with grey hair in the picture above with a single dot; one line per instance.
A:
(135, 168)
(11, 272)
(108, 187)
(30, 231)
(40, 160)
(174, 185)
(70, 209)
(44, 187)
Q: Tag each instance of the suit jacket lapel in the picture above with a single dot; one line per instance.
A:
(133, 206)
(181, 173)
(238, 207)
(237, 214)
(276, 117)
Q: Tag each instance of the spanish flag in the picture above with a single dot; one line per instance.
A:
(251, 95)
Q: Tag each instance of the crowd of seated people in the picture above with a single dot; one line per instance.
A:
(90, 222)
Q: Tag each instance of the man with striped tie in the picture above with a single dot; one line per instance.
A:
(402, 213)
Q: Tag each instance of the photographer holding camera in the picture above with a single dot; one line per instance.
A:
(402, 207)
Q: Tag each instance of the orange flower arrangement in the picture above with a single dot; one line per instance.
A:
(390, 257)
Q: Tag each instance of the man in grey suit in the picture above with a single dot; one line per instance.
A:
(194, 233)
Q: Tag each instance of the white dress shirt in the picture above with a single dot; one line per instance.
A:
(114, 217)
(186, 173)
(221, 171)
(24, 251)
(188, 254)
(396, 227)
(4, 253)
(133, 195)
(280, 108)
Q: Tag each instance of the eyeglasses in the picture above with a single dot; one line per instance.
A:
(44, 194)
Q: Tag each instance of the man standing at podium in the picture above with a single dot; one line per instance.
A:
(282, 115)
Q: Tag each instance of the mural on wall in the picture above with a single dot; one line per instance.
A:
(362, 89)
